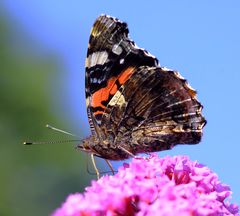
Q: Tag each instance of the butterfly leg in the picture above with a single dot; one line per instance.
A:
(110, 166)
(126, 151)
(94, 165)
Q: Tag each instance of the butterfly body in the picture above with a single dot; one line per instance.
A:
(134, 105)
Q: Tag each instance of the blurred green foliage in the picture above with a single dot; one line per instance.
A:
(34, 180)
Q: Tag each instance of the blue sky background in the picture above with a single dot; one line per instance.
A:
(201, 40)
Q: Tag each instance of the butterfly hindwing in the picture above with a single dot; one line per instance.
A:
(156, 109)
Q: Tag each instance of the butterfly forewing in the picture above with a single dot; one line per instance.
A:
(111, 59)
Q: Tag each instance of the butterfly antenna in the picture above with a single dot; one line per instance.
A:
(61, 131)
(57, 141)
(49, 142)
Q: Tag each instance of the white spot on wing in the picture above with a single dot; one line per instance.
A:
(87, 101)
(117, 49)
(117, 99)
(121, 61)
(96, 58)
(178, 75)
(165, 69)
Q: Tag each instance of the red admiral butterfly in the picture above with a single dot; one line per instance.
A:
(134, 105)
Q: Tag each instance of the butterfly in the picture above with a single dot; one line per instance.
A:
(133, 104)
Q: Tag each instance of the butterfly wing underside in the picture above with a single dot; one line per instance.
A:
(132, 102)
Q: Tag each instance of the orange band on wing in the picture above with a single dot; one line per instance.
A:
(111, 88)
(103, 94)
(123, 77)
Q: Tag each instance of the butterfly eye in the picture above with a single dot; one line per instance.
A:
(84, 146)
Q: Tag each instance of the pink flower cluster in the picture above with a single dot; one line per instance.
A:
(153, 186)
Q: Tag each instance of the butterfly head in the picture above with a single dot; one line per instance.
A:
(87, 145)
